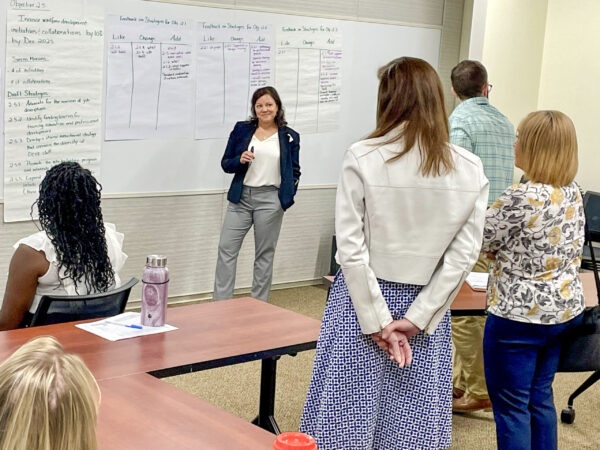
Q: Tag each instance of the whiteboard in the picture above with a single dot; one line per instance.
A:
(156, 166)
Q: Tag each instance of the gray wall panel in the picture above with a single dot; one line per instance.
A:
(186, 229)
(450, 46)
(316, 8)
(428, 12)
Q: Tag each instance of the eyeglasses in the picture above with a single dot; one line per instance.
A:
(490, 86)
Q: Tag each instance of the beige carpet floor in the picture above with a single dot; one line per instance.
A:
(236, 389)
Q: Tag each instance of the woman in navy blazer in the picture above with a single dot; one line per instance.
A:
(263, 155)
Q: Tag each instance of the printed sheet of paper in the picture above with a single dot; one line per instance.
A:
(308, 76)
(232, 61)
(53, 98)
(149, 82)
(119, 327)
(478, 280)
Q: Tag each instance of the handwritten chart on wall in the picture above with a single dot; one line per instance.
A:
(309, 75)
(333, 72)
(149, 83)
(51, 115)
(233, 60)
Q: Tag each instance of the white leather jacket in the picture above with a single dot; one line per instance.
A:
(393, 223)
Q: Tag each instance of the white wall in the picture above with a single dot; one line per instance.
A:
(512, 53)
(543, 54)
(476, 28)
(570, 77)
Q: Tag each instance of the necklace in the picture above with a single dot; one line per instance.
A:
(264, 134)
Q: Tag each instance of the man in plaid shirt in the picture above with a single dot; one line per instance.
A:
(482, 129)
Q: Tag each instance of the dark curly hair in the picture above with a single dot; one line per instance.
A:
(70, 214)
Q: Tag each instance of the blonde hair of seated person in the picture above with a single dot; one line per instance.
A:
(48, 399)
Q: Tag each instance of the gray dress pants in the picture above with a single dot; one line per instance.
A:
(259, 206)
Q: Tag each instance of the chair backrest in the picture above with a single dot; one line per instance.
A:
(591, 205)
(591, 209)
(67, 308)
(333, 265)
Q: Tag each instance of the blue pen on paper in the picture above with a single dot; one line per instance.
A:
(137, 327)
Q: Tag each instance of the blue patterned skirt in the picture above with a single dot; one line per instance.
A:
(359, 399)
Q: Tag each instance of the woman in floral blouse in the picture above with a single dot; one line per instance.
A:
(535, 231)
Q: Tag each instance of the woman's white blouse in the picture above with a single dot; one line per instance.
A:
(265, 167)
(52, 283)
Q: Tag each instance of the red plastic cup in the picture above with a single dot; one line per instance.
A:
(292, 440)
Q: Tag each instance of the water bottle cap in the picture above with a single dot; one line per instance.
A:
(294, 441)
(156, 261)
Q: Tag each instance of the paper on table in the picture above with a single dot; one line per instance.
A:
(478, 280)
(115, 328)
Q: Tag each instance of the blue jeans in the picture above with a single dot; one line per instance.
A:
(520, 360)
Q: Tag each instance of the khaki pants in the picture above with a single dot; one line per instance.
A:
(467, 337)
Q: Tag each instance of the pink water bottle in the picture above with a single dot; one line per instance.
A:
(155, 282)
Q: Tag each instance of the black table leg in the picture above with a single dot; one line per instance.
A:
(266, 408)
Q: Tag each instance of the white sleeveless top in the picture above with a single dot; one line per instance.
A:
(50, 283)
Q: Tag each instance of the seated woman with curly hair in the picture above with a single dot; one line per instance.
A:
(75, 253)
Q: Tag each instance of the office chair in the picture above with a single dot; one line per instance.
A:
(333, 265)
(67, 308)
(591, 205)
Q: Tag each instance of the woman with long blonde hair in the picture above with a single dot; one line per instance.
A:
(48, 399)
(408, 221)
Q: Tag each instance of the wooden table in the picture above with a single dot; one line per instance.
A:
(142, 412)
(209, 335)
(469, 302)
